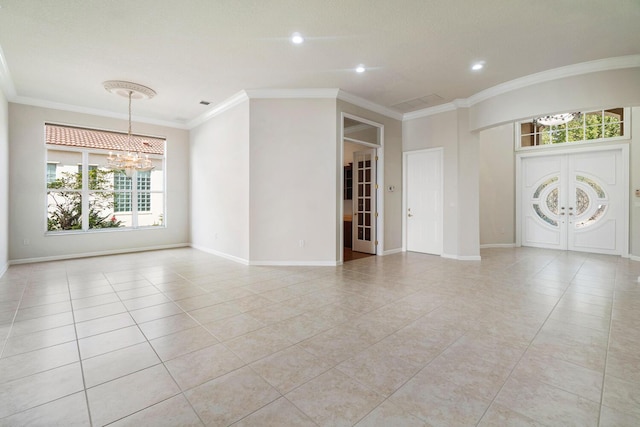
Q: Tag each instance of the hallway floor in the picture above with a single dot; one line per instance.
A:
(180, 337)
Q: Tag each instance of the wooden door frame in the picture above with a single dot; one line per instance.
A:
(557, 151)
(379, 181)
(405, 156)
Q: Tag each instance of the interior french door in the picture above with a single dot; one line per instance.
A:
(364, 201)
(574, 202)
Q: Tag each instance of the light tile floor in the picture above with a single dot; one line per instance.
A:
(525, 337)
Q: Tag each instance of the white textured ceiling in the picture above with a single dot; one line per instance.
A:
(60, 51)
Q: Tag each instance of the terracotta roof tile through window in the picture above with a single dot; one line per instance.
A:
(104, 140)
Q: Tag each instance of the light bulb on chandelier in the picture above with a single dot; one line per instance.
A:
(130, 160)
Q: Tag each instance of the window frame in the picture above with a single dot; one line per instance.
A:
(86, 192)
(626, 129)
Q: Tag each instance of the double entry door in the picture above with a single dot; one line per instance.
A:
(574, 202)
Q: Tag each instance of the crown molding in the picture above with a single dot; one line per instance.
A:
(310, 93)
(438, 109)
(228, 103)
(93, 111)
(6, 82)
(616, 63)
(369, 105)
(291, 93)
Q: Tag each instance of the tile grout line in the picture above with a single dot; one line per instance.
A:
(75, 330)
(606, 357)
(530, 343)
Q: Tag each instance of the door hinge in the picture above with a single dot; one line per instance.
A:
(376, 158)
(376, 214)
(376, 186)
(376, 243)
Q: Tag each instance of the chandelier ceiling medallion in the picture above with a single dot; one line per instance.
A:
(129, 160)
(556, 119)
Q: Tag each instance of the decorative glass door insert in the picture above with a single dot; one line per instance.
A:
(364, 201)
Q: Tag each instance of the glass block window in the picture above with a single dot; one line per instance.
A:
(122, 192)
(52, 169)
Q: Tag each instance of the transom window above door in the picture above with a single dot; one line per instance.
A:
(573, 127)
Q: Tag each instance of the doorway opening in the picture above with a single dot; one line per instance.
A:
(361, 198)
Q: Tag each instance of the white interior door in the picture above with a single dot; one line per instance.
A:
(364, 201)
(423, 189)
(574, 202)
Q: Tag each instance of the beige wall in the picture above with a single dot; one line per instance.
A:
(4, 183)
(440, 130)
(293, 181)
(616, 88)
(27, 154)
(634, 172)
(220, 184)
(392, 171)
(497, 186)
(479, 146)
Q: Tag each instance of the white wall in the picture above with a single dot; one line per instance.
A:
(27, 154)
(4, 183)
(220, 184)
(393, 135)
(497, 186)
(293, 179)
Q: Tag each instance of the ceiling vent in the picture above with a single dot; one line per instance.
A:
(418, 103)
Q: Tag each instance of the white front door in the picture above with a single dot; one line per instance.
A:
(574, 202)
(423, 189)
(364, 201)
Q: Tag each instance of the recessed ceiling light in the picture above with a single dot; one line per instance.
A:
(477, 66)
(296, 38)
(360, 69)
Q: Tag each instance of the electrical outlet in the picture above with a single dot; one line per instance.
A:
(25, 242)
(301, 243)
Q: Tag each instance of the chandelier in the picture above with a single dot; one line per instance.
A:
(556, 119)
(129, 160)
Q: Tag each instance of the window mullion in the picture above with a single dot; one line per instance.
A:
(85, 191)
(134, 199)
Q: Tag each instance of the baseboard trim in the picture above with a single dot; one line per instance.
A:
(295, 263)
(221, 254)
(634, 258)
(498, 245)
(4, 269)
(462, 257)
(94, 254)
(392, 251)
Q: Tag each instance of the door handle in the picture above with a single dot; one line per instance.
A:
(409, 215)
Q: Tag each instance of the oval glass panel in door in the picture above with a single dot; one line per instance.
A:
(544, 185)
(552, 201)
(545, 201)
(582, 201)
(591, 202)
